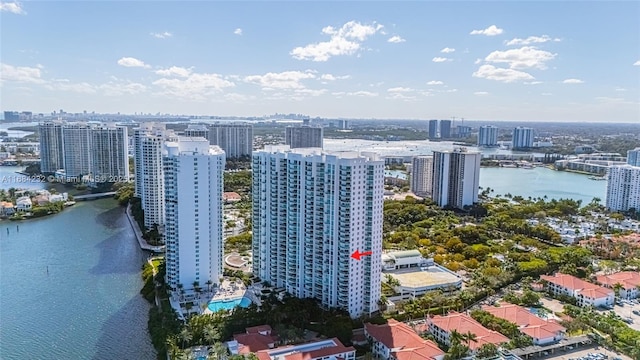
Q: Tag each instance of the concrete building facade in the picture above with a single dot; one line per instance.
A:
(623, 188)
(236, 140)
(522, 138)
(311, 211)
(51, 147)
(303, 136)
(488, 136)
(422, 175)
(193, 180)
(456, 177)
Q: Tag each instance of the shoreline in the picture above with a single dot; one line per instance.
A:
(136, 229)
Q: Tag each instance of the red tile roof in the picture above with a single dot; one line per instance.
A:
(463, 324)
(250, 343)
(339, 348)
(231, 196)
(528, 323)
(628, 279)
(573, 283)
(403, 341)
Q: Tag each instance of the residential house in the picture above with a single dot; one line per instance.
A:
(585, 293)
(397, 341)
(629, 281)
(6, 208)
(23, 204)
(542, 331)
(231, 197)
(442, 326)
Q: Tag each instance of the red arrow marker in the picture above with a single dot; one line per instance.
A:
(357, 254)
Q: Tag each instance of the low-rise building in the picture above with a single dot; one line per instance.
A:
(23, 204)
(231, 197)
(256, 338)
(397, 341)
(585, 293)
(6, 208)
(442, 326)
(416, 275)
(329, 349)
(629, 283)
(542, 331)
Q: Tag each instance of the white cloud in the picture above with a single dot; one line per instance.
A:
(478, 61)
(572, 81)
(531, 40)
(440, 59)
(237, 31)
(330, 77)
(447, 50)
(360, 93)
(522, 58)
(311, 92)
(162, 35)
(399, 89)
(532, 82)
(120, 87)
(283, 80)
(480, 93)
(435, 82)
(66, 85)
(12, 7)
(546, 94)
(490, 31)
(197, 86)
(620, 89)
(23, 74)
(174, 71)
(401, 96)
(504, 75)
(344, 41)
(637, 63)
(132, 62)
(396, 39)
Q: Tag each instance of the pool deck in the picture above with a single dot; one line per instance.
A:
(226, 291)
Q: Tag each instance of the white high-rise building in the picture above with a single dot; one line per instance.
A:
(138, 134)
(236, 140)
(304, 136)
(456, 178)
(311, 211)
(109, 155)
(488, 136)
(623, 188)
(76, 138)
(51, 147)
(193, 181)
(422, 175)
(633, 157)
(522, 138)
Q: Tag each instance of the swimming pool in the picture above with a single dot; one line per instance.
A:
(228, 304)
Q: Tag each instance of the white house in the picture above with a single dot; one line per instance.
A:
(628, 280)
(23, 204)
(541, 331)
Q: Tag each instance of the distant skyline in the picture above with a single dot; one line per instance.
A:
(496, 61)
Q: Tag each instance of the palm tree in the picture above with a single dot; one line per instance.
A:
(487, 350)
(172, 347)
(217, 352)
(186, 336)
(469, 337)
(211, 334)
(616, 289)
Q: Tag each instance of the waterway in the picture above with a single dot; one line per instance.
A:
(69, 286)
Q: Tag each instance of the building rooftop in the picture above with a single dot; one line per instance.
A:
(628, 279)
(404, 254)
(528, 323)
(416, 277)
(463, 324)
(405, 343)
(308, 351)
(571, 282)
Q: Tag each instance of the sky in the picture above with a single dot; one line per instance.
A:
(481, 60)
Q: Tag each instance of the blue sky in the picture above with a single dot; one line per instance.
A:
(544, 60)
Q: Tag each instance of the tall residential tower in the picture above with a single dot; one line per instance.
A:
(522, 138)
(304, 136)
(422, 175)
(623, 188)
(456, 177)
(312, 211)
(193, 181)
(51, 147)
(236, 140)
(488, 136)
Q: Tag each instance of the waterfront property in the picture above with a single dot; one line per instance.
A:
(623, 188)
(193, 199)
(329, 349)
(455, 178)
(585, 293)
(255, 338)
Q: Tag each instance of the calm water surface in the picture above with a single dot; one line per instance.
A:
(69, 287)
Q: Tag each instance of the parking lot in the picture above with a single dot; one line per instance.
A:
(583, 353)
(626, 311)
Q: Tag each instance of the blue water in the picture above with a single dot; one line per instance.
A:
(228, 304)
(69, 287)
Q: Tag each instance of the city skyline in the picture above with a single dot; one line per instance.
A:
(419, 60)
